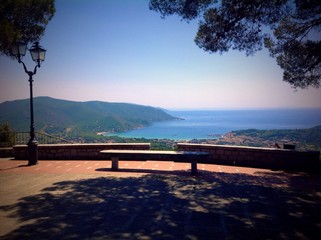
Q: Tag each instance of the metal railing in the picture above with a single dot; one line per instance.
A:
(8, 139)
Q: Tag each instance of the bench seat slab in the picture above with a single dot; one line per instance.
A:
(145, 155)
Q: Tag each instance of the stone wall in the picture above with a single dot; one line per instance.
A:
(75, 151)
(269, 158)
(256, 157)
(6, 152)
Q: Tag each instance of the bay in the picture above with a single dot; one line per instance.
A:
(211, 124)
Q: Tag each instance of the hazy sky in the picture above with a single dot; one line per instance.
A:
(120, 51)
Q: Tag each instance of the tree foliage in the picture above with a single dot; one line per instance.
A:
(289, 29)
(23, 20)
(6, 135)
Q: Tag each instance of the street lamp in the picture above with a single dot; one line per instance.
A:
(38, 55)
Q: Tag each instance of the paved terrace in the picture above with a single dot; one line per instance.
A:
(155, 200)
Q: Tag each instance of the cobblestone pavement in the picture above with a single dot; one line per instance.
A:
(155, 200)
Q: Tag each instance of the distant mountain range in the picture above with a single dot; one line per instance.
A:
(70, 118)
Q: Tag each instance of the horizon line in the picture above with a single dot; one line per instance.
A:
(181, 108)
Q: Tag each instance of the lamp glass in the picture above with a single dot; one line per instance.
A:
(19, 49)
(37, 53)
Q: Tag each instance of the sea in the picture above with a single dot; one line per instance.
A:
(211, 124)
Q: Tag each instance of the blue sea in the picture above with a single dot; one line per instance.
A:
(212, 124)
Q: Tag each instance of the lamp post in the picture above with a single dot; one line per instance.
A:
(38, 55)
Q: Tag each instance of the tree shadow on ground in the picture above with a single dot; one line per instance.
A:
(165, 206)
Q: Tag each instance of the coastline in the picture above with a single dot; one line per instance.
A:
(250, 137)
(216, 124)
(239, 128)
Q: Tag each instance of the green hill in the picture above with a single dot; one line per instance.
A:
(309, 138)
(70, 119)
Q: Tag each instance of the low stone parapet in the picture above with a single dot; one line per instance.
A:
(75, 151)
(270, 158)
(6, 152)
(257, 157)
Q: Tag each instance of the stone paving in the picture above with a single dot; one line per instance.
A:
(155, 200)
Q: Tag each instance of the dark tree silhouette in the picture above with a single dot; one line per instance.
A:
(289, 29)
(23, 21)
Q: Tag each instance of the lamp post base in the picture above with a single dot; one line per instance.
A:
(32, 153)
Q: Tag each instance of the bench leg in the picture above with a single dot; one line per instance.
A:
(194, 167)
(114, 163)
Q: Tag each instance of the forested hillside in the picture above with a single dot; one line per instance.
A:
(302, 139)
(309, 138)
(69, 118)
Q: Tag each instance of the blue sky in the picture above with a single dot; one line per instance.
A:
(120, 51)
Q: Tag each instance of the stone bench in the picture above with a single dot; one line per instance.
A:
(145, 155)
